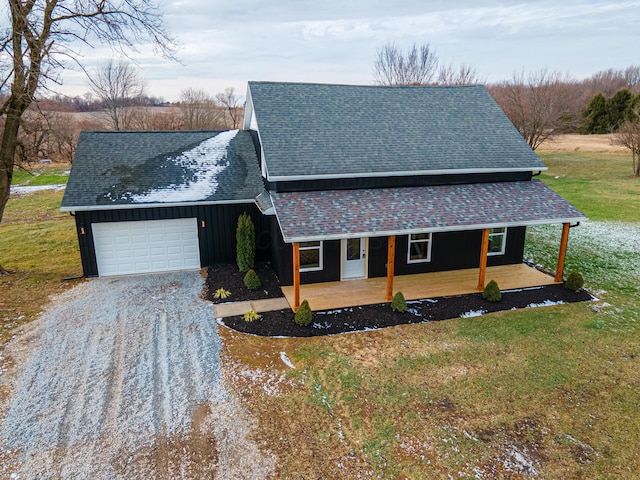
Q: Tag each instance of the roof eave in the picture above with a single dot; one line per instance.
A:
(466, 171)
(456, 228)
(130, 206)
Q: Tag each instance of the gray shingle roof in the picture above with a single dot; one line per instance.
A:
(338, 214)
(327, 130)
(143, 169)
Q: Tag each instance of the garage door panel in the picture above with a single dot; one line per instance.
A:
(146, 246)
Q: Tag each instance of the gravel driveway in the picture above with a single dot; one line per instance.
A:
(124, 381)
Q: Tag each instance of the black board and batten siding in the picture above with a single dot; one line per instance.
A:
(449, 251)
(217, 239)
(391, 181)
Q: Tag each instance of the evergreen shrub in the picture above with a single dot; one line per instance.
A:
(251, 280)
(304, 315)
(245, 243)
(574, 281)
(492, 292)
(399, 304)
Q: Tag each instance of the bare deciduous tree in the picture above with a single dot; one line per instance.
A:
(119, 87)
(628, 136)
(463, 75)
(39, 43)
(393, 67)
(199, 110)
(63, 135)
(232, 105)
(536, 103)
(153, 118)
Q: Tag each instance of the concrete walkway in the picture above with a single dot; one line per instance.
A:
(231, 309)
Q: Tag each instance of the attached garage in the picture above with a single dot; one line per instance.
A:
(124, 248)
(149, 202)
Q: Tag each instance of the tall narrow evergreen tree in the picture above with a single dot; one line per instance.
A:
(245, 243)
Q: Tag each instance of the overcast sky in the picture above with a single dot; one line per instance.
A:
(228, 42)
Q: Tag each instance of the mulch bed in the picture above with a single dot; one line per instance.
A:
(228, 276)
(370, 317)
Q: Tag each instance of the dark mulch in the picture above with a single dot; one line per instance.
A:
(369, 317)
(231, 279)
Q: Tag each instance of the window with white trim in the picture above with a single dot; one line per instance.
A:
(310, 256)
(497, 241)
(419, 248)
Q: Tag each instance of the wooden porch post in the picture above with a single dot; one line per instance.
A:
(484, 250)
(563, 252)
(391, 256)
(296, 276)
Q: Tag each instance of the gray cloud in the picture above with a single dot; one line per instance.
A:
(226, 43)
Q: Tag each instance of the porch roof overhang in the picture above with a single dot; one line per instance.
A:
(338, 214)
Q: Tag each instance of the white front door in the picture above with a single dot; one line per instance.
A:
(353, 258)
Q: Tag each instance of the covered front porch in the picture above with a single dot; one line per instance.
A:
(351, 293)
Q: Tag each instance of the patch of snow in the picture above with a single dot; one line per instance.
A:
(517, 462)
(546, 303)
(27, 189)
(321, 326)
(205, 161)
(285, 359)
(473, 313)
(267, 381)
(330, 312)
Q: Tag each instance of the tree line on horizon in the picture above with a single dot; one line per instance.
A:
(540, 104)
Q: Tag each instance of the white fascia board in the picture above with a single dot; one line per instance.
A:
(461, 171)
(458, 228)
(130, 206)
(248, 110)
(264, 170)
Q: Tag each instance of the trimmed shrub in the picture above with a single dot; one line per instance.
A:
(492, 292)
(245, 243)
(399, 304)
(251, 280)
(574, 281)
(304, 315)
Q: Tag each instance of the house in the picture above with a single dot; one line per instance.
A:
(342, 182)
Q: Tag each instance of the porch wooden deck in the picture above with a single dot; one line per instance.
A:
(351, 293)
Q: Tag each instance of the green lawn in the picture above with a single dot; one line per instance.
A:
(41, 176)
(600, 184)
(39, 245)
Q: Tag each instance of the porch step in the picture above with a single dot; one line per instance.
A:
(233, 309)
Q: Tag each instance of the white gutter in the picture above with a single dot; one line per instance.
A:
(408, 173)
(130, 206)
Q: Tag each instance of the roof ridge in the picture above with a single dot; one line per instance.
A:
(157, 131)
(275, 82)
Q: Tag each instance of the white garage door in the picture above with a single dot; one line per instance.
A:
(124, 248)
